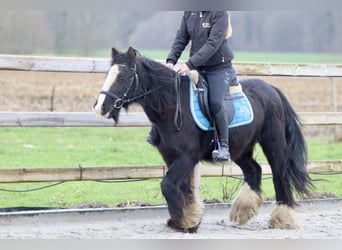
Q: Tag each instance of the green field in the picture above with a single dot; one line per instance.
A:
(253, 56)
(66, 147)
(70, 147)
(250, 56)
(322, 58)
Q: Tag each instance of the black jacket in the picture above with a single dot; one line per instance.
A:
(209, 48)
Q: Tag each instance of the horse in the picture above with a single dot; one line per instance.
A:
(133, 78)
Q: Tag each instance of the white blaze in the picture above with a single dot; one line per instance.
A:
(111, 77)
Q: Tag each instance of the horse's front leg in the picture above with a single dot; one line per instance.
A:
(181, 189)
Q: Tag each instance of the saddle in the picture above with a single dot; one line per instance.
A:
(237, 105)
(200, 86)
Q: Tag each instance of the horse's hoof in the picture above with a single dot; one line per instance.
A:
(283, 217)
(174, 226)
(245, 205)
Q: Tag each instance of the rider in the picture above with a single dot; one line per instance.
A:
(211, 56)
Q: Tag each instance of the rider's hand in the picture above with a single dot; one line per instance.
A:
(184, 68)
(170, 65)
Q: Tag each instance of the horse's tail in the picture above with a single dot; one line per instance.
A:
(294, 172)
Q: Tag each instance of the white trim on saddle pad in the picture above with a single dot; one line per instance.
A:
(243, 114)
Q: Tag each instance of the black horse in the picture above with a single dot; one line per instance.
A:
(276, 127)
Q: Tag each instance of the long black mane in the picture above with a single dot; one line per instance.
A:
(163, 101)
(153, 74)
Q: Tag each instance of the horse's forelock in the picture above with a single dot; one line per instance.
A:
(126, 58)
(120, 58)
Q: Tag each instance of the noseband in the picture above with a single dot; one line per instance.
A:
(119, 101)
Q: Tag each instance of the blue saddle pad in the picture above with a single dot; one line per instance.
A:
(243, 114)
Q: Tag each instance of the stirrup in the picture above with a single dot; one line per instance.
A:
(215, 154)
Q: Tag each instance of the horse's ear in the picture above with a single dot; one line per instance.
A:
(132, 52)
(114, 52)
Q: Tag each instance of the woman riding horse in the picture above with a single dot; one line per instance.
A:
(276, 127)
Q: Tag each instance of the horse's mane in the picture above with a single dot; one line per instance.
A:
(157, 74)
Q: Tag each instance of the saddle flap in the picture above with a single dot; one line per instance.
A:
(194, 76)
(200, 86)
(242, 109)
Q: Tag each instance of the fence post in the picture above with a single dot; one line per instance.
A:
(52, 100)
(337, 130)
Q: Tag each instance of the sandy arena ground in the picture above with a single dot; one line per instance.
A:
(318, 219)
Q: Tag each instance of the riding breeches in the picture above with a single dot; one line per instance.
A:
(218, 85)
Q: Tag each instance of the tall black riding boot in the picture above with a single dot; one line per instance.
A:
(221, 122)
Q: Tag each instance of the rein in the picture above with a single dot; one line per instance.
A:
(178, 121)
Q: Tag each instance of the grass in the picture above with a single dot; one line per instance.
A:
(253, 56)
(70, 194)
(288, 57)
(239, 56)
(65, 147)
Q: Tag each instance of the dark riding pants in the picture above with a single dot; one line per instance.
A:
(218, 82)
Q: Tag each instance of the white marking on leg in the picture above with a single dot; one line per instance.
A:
(193, 212)
(196, 182)
(245, 206)
(110, 79)
(283, 217)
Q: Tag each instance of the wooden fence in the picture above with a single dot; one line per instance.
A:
(81, 173)
(100, 65)
(86, 119)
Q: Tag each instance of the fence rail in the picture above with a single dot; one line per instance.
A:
(101, 65)
(132, 119)
(138, 172)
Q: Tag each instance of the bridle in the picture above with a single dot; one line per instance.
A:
(119, 101)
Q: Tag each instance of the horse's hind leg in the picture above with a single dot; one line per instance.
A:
(248, 201)
(283, 216)
(180, 188)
